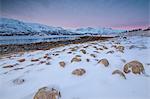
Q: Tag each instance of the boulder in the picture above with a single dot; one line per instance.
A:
(96, 51)
(114, 46)
(104, 62)
(41, 62)
(55, 54)
(34, 60)
(123, 60)
(135, 66)
(78, 56)
(120, 73)
(100, 49)
(86, 46)
(88, 60)
(18, 68)
(48, 58)
(76, 59)
(78, 72)
(120, 48)
(62, 64)
(83, 51)
(18, 81)
(48, 63)
(93, 55)
(45, 56)
(95, 47)
(105, 47)
(8, 66)
(74, 48)
(69, 52)
(47, 93)
(111, 52)
(21, 60)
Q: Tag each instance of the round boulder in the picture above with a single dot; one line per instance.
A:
(104, 62)
(120, 73)
(135, 66)
(120, 48)
(78, 72)
(47, 93)
(76, 59)
(62, 64)
(83, 51)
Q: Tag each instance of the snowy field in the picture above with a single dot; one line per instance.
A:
(21, 80)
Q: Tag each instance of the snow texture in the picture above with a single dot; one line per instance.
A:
(98, 81)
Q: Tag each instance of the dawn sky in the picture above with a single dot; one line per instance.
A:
(120, 14)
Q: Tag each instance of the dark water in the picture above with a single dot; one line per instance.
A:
(33, 39)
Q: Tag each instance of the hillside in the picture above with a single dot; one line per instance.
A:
(10, 27)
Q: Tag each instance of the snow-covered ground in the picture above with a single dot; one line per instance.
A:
(98, 81)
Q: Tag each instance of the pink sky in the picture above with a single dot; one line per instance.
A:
(119, 14)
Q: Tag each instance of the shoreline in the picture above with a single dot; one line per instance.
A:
(16, 48)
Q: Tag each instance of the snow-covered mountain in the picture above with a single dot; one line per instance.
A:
(12, 26)
(90, 30)
(16, 27)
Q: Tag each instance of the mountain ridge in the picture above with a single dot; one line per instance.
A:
(16, 27)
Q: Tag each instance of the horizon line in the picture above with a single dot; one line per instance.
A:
(127, 27)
